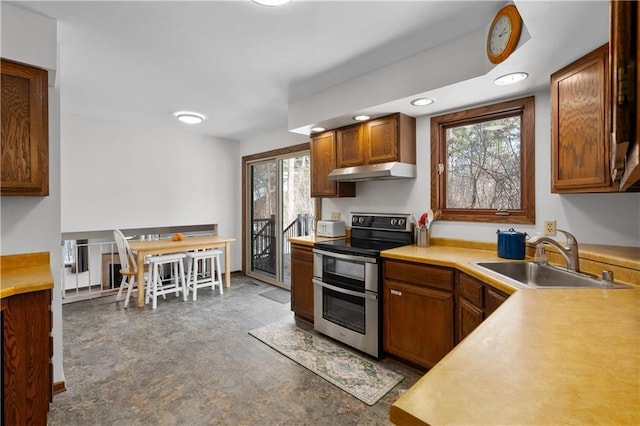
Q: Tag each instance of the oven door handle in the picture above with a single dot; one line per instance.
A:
(346, 256)
(371, 296)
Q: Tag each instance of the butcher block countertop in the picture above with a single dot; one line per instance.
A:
(546, 356)
(24, 273)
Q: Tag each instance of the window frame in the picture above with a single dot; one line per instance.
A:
(525, 108)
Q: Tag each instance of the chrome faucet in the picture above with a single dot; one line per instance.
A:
(569, 252)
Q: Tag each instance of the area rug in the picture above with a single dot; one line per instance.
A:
(277, 294)
(351, 372)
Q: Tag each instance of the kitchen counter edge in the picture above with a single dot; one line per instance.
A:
(24, 273)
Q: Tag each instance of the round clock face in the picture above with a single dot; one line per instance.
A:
(500, 34)
(504, 34)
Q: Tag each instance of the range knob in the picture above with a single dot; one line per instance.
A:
(393, 222)
(361, 219)
(354, 219)
(401, 222)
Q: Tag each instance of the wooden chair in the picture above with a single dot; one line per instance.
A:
(128, 268)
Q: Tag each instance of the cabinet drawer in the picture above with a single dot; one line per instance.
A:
(418, 274)
(470, 290)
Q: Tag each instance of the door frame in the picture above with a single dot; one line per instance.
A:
(245, 193)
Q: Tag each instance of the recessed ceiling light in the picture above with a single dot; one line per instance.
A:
(317, 129)
(271, 2)
(361, 117)
(514, 77)
(422, 101)
(189, 117)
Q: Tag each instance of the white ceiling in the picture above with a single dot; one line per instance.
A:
(240, 64)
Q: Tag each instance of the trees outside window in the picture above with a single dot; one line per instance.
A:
(483, 163)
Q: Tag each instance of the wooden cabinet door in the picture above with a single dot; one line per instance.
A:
(492, 300)
(625, 103)
(301, 281)
(26, 357)
(468, 318)
(24, 168)
(474, 303)
(350, 146)
(580, 138)
(418, 322)
(323, 161)
(381, 140)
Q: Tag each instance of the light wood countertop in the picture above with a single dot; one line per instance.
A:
(547, 356)
(310, 240)
(24, 273)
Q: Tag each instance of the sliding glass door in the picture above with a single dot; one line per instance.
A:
(279, 207)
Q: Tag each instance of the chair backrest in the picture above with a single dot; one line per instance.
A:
(124, 251)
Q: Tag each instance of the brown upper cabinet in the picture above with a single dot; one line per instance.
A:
(624, 43)
(580, 137)
(24, 166)
(595, 137)
(323, 161)
(350, 146)
(382, 140)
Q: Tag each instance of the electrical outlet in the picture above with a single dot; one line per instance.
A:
(336, 216)
(549, 228)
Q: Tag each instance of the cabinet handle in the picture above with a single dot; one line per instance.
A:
(396, 293)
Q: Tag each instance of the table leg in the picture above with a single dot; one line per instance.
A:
(227, 266)
(140, 279)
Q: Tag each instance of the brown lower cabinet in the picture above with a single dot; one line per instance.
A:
(302, 281)
(475, 302)
(27, 348)
(427, 310)
(418, 311)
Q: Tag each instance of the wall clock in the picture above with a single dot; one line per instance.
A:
(504, 34)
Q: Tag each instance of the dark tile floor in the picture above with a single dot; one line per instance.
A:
(194, 363)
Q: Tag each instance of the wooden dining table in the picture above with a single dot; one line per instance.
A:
(144, 248)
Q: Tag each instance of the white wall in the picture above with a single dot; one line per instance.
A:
(120, 175)
(270, 141)
(458, 60)
(592, 218)
(32, 224)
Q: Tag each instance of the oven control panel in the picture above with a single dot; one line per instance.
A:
(390, 222)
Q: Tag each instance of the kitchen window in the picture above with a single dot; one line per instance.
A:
(482, 163)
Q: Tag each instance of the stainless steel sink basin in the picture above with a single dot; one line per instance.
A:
(545, 276)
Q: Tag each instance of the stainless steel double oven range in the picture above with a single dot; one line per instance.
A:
(347, 279)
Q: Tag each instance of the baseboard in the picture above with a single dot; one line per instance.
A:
(59, 387)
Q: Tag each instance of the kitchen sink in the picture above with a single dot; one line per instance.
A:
(544, 276)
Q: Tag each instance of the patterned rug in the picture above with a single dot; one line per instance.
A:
(352, 373)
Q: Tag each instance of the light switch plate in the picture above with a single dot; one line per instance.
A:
(336, 215)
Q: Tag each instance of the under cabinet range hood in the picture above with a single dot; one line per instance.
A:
(392, 170)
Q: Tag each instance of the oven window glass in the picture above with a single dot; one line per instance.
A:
(344, 273)
(344, 310)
